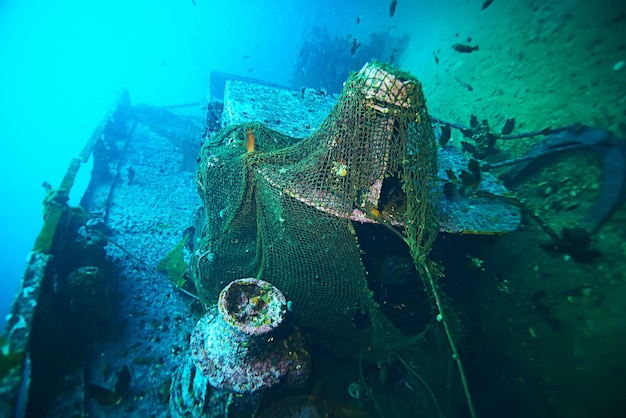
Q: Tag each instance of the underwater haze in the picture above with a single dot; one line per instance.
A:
(541, 316)
(62, 62)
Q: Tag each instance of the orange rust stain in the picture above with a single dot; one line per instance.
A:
(249, 141)
(375, 212)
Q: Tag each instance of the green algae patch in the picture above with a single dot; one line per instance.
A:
(174, 265)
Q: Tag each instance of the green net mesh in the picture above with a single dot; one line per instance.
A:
(281, 209)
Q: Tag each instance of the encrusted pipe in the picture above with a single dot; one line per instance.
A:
(237, 355)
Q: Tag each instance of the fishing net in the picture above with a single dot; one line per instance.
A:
(282, 209)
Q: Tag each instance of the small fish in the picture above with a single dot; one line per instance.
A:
(451, 175)
(245, 57)
(131, 174)
(250, 69)
(123, 381)
(467, 147)
(473, 121)
(250, 141)
(470, 179)
(436, 58)
(464, 48)
(445, 135)
(354, 47)
(449, 189)
(358, 20)
(463, 84)
(392, 7)
(467, 179)
(486, 4)
(508, 127)
(473, 166)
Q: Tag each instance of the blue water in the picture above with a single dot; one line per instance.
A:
(61, 63)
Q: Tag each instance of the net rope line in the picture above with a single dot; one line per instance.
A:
(279, 210)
